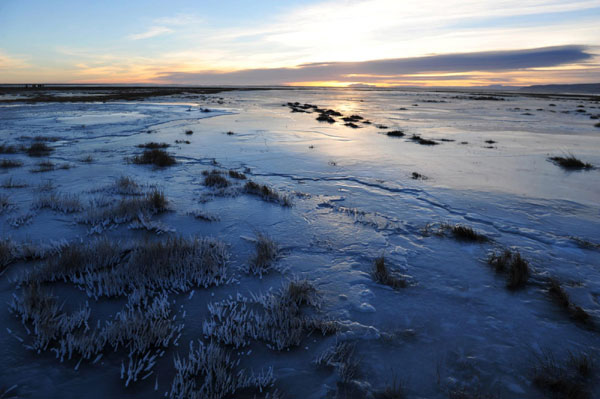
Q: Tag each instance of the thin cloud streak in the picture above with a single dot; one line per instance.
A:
(152, 32)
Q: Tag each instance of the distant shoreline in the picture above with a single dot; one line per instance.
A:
(110, 92)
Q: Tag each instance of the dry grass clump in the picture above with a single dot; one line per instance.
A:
(267, 193)
(156, 157)
(266, 254)
(10, 163)
(152, 145)
(463, 233)
(38, 149)
(513, 265)
(8, 149)
(275, 318)
(395, 133)
(570, 163)
(8, 253)
(44, 166)
(5, 204)
(211, 372)
(420, 140)
(10, 183)
(237, 175)
(215, 179)
(65, 203)
(382, 275)
(568, 379)
(560, 296)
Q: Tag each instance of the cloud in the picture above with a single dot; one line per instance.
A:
(152, 32)
(8, 62)
(389, 69)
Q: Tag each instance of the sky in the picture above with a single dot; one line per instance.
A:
(305, 43)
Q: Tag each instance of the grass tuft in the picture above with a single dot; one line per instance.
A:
(464, 233)
(237, 175)
(39, 149)
(382, 275)
(8, 149)
(570, 163)
(513, 265)
(267, 193)
(153, 146)
(266, 254)
(420, 140)
(560, 296)
(396, 133)
(568, 379)
(215, 179)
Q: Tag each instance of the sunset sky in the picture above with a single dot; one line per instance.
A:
(310, 42)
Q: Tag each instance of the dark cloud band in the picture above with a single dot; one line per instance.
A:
(376, 70)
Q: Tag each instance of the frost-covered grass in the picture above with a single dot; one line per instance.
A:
(127, 209)
(266, 254)
(340, 357)
(156, 157)
(212, 372)
(144, 325)
(65, 203)
(201, 215)
(20, 220)
(382, 275)
(125, 185)
(275, 318)
(513, 266)
(569, 162)
(267, 193)
(108, 268)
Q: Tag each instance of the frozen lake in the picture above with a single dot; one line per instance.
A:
(356, 194)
